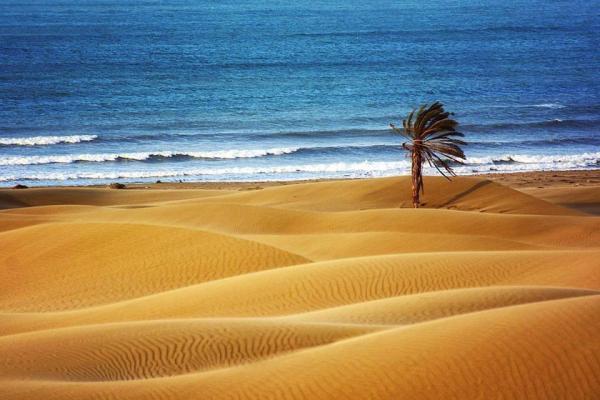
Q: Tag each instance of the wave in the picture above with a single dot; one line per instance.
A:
(46, 140)
(584, 159)
(384, 131)
(554, 123)
(143, 156)
(267, 134)
(541, 142)
(404, 32)
(504, 163)
(549, 105)
(466, 127)
(157, 156)
(367, 150)
(539, 105)
(365, 166)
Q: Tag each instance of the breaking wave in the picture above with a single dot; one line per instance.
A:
(585, 159)
(142, 156)
(505, 163)
(46, 140)
(157, 156)
(365, 167)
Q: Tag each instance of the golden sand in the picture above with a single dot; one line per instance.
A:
(327, 290)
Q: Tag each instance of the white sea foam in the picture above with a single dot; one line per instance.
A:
(141, 156)
(557, 159)
(513, 163)
(232, 154)
(549, 105)
(540, 105)
(45, 140)
(339, 167)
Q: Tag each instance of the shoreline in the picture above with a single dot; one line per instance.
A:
(517, 180)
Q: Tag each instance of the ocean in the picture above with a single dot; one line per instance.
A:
(93, 92)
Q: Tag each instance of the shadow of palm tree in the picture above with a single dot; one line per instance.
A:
(461, 195)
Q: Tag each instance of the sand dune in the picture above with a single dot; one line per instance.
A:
(94, 196)
(465, 194)
(329, 290)
(152, 349)
(324, 246)
(89, 255)
(579, 198)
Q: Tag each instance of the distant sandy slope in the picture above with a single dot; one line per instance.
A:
(328, 290)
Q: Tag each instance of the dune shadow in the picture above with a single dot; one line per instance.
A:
(9, 201)
(465, 193)
(133, 206)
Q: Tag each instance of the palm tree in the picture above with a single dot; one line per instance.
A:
(431, 137)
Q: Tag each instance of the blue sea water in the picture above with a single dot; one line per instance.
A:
(99, 91)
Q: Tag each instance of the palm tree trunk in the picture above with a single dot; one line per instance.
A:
(417, 178)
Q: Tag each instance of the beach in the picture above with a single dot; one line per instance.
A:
(332, 289)
(224, 200)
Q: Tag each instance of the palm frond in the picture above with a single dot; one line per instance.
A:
(445, 149)
(400, 131)
(442, 115)
(432, 132)
(443, 134)
(428, 113)
(443, 124)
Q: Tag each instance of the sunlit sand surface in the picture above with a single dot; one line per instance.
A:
(328, 290)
